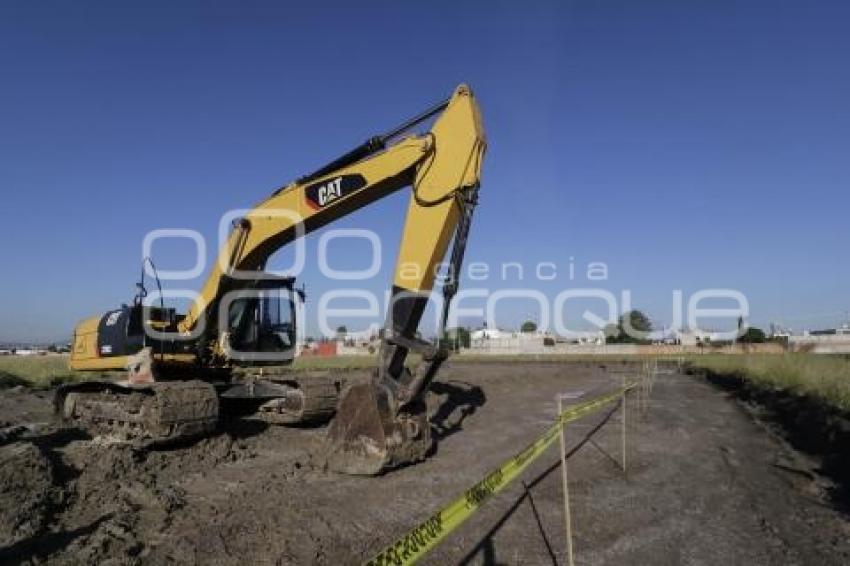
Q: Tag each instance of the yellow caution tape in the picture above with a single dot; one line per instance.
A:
(425, 536)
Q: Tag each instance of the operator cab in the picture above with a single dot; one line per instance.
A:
(259, 328)
(261, 319)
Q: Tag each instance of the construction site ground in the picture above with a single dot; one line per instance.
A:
(707, 482)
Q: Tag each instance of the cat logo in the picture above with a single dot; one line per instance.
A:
(324, 193)
(329, 192)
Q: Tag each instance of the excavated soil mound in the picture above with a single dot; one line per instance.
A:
(26, 482)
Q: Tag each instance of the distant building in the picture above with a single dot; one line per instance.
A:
(827, 341)
(778, 332)
(664, 336)
(488, 334)
(688, 337)
(843, 330)
(593, 337)
(30, 352)
(362, 343)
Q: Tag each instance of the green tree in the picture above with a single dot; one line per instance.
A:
(528, 326)
(341, 330)
(753, 335)
(633, 327)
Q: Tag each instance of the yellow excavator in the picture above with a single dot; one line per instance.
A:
(237, 338)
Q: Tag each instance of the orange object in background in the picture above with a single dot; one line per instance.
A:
(324, 349)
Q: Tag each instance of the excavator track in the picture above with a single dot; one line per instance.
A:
(295, 397)
(307, 402)
(152, 414)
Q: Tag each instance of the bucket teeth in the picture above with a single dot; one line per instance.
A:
(367, 437)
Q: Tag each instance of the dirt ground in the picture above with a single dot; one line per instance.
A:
(707, 483)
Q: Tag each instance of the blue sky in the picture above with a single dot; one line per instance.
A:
(687, 145)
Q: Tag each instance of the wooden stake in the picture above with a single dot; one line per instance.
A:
(567, 519)
(623, 427)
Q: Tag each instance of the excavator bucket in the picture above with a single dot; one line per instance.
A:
(367, 437)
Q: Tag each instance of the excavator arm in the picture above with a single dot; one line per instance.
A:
(443, 169)
(442, 166)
